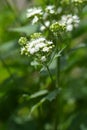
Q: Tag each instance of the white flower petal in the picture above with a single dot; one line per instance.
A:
(69, 27)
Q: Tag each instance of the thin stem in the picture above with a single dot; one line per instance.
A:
(57, 101)
(57, 111)
(49, 73)
(58, 72)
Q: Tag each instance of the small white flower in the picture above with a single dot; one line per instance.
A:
(49, 42)
(50, 9)
(47, 23)
(69, 21)
(69, 16)
(43, 58)
(59, 10)
(35, 20)
(37, 47)
(30, 44)
(41, 39)
(22, 50)
(41, 45)
(76, 25)
(45, 49)
(42, 28)
(31, 50)
(69, 27)
(50, 47)
(75, 17)
(64, 18)
(45, 15)
(34, 11)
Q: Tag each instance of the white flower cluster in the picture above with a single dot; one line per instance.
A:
(34, 13)
(70, 21)
(50, 9)
(39, 48)
(38, 15)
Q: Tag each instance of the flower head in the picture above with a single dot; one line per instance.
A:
(50, 9)
(70, 21)
(38, 47)
(57, 27)
(34, 11)
(22, 41)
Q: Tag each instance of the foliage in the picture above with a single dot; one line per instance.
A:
(49, 93)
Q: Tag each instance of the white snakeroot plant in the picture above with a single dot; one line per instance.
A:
(53, 22)
(55, 26)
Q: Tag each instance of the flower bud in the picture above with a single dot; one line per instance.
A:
(22, 41)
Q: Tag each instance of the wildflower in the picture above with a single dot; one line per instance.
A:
(70, 21)
(59, 10)
(69, 27)
(38, 47)
(45, 49)
(43, 59)
(46, 25)
(23, 50)
(50, 9)
(22, 41)
(56, 27)
(33, 12)
(42, 28)
(35, 20)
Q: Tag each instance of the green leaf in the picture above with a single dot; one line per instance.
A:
(52, 95)
(8, 46)
(59, 53)
(40, 93)
(29, 29)
(37, 105)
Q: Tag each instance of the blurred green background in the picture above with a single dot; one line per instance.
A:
(18, 80)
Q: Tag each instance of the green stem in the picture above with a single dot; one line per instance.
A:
(49, 73)
(58, 72)
(57, 102)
